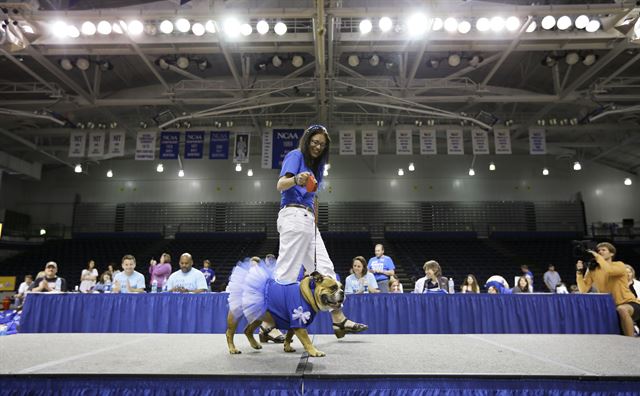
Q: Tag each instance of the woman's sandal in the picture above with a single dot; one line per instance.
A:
(341, 330)
(266, 337)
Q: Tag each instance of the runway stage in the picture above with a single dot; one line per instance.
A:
(199, 364)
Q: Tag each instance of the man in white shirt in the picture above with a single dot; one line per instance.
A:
(23, 289)
(129, 280)
(187, 279)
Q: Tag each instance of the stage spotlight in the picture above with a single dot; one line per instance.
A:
(66, 64)
(472, 172)
(231, 27)
(82, 64)
(417, 24)
(88, 28)
(438, 24)
(150, 29)
(564, 22)
(78, 168)
(532, 27)
(365, 26)
(385, 24)
(160, 168)
(104, 27)
(210, 26)
(593, 26)
(434, 63)
(475, 60)
(549, 61)
(412, 167)
(464, 27)
(183, 62)
(483, 24)
(589, 59)
(454, 60)
(297, 61)
(250, 172)
(572, 58)
(181, 173)
(548, 22)
(183, 25)
(166, 27)
(109, 173)
(280, 28)
(374, 60)
(135, 27)
(73, 31)
(581, 22)
(203, 64)
(577, 166)
(353, 60)
(497, 24)
(246, 29)
(492, 166)
(276, 61)
(450, 24)
(238, 168)
(262, 27)
(627, 181)
(59, 29)
(198, 29)
(116, 28)
(545, 172)
(400, 172)
(512, 24)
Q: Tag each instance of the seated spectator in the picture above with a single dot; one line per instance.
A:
(634, 284)
(23, 289)
(551, 278)
(209, 274)
(104, 284)
(187, 279)
(497, 285)
(50, 282)
(433, 281)
(88, 277)
(361, 280)
(525, 271)
(394, 285)
(160, 271)
(573, 289)
(470, 285)
(561, 288)
(112, 270)
(522, 286)
(129, 280)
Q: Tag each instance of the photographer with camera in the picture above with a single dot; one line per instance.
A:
(610, 276)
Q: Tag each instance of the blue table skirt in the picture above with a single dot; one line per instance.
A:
(384, 313)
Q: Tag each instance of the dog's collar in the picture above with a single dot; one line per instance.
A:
(311, 297)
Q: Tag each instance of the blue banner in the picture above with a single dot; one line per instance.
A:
(219, 145)
(284, 140)
(169, 145)
(193, 145)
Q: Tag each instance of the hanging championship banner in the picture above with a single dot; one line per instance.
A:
(267, 150)
(193, 145)
(455, 141)
(347, 142)
(537, 141)
(428, 144)
(404, 141)
(502, 140)
(77, 143)
(284, 140)
(96, 144)
(146, 146)
(370, 142)
(480, 140)
(241, 148)
(116, 144)
(169, 145)
(219, 145)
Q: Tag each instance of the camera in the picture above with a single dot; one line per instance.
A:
(581, 252)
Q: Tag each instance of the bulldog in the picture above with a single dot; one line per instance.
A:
(291, 307)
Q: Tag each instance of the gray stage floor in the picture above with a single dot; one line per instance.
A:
(422, 355)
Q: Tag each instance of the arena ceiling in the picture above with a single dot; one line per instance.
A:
(582, 86)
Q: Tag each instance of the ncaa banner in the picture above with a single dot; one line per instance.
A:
(428, 144)
(77, 143)
(267, 150)
(284, 140)
(404, 142)
(146, 146)
(116, 144)
(241, 148)
(347, 142)
(537, 141)
(370, 142)
(480, 140)
(193, 145)
(96, 144)
(502, 140)
(219, 145)
(169, 145)
(455, 142)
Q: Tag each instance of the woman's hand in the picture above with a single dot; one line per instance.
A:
(301, 178)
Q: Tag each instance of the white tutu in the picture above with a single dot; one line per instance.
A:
(247, 285)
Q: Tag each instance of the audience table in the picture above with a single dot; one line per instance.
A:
(384, 313)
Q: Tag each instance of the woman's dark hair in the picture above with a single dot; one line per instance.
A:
(362, 261)
(305, 142)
